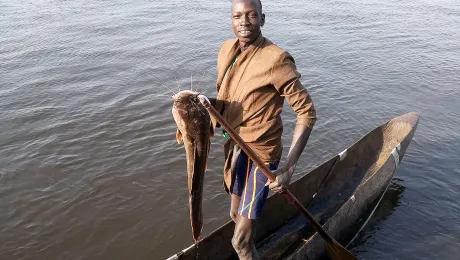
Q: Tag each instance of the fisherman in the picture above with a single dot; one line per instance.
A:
(254, 78)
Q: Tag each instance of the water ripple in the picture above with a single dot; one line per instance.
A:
(90, 168)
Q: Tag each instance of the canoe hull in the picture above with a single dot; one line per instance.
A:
(337, 192)
(375, 182)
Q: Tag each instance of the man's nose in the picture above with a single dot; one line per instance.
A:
(244, 20)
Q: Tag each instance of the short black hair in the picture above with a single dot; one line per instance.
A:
(258, 1)
(260, 4)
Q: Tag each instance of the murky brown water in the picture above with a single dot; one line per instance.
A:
(89, 167)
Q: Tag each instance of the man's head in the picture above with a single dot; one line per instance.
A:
(247, 18)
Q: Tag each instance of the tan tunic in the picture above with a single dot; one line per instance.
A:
(251, 92)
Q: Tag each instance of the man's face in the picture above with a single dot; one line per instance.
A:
(247, 18)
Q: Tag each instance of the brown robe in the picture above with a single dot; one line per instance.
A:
(251, 93)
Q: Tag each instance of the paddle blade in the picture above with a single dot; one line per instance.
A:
(338, 252)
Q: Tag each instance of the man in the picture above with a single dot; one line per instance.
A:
(254, 78)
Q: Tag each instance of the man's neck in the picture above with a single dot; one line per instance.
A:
(244, 46)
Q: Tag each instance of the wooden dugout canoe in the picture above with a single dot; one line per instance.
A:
(340, 193)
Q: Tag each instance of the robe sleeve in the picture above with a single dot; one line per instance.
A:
(286, 80)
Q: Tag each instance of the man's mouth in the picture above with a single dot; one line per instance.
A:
(245, 32)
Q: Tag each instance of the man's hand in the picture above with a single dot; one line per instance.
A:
(211, 101)
(283, 178)
(203, 98)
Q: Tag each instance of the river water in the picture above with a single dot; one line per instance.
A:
(89, 166)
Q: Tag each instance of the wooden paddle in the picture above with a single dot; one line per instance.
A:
(335, 250)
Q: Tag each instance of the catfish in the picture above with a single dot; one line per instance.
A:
(194, 128)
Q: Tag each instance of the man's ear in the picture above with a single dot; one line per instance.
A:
(263, 20)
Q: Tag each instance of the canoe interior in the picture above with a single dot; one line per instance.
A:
(325, 191)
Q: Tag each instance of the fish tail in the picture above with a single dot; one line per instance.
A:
(199, 158)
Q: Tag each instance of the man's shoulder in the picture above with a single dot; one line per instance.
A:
(272, 50)
(270, 46)
(228, 44)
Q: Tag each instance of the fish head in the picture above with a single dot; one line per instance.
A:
(191, 118)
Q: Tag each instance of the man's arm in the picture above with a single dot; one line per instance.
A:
(286, 81)
(299, 141)
(285, 172)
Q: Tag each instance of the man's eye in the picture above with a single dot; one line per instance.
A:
(236, 17)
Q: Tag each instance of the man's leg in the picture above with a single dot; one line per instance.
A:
(243, 238)
(249, 210)
(244, 234)
(234, 207)
(248, 197)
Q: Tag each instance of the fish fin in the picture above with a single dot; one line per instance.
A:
(178, 136)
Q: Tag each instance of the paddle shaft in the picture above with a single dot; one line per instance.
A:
(267, 172)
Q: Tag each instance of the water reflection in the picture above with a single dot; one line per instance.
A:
(390, 201)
